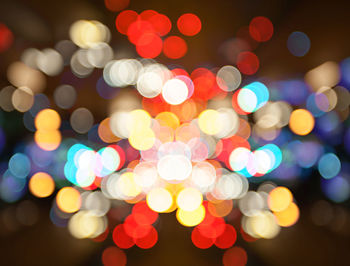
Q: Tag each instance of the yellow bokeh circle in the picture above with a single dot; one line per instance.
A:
(68, 199)
(289, 216)
(159, 199)
(279, 199)
(48, 140)
(168, 119)
(191, 218)
(41, 185)
(301, 122)
(142, 139)
(209, 122)
(47, 119)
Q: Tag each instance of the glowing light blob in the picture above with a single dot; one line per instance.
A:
(175, 91)
(159, 199)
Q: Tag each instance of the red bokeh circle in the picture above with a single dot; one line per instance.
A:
(189, 24)
(124, 20)
(121, 238)
(174, 47)
(116, 5)
(6, 38)
(261, 29)
(235, 256)
(227, 238)
(201, 241)
(113, 256)
(248, 63)
(149, 240)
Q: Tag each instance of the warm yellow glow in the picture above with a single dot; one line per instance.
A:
(47, 119)
(301, 122)
(128, 186)
(191, 218)
(289, 216)
(48, 140)
(68, 199)
(41, 185)
(209, 122)
(139, 119)
(142, 139)
(86, 34)
(174, 188)
(264, 225)
(189, 199)
(159, 199)
(279, 199)
(168, 119)
(85, 224)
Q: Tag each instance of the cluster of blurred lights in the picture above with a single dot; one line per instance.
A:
(137, 228)
(239, 49)
(145, 31)
(47, 122)
(189, 145)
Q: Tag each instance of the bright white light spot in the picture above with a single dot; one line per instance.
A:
(175, 91)
(262, 161)
(174, 167)
(150, 84)
(247, 100)
(159, 199)
(239, 158)
(145, 174)
(189, 199)
(203, 175)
